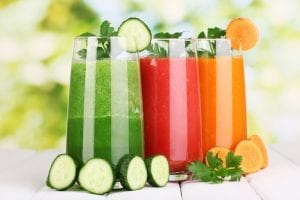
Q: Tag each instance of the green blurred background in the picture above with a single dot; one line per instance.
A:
(36, 46)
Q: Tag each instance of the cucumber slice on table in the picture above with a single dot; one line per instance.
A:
(97, 176)
(63, 172)
(158, 170)
(132, 172)
(137, 33)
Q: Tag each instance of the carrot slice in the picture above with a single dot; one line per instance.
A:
(222, 153)
(259, 142)
(252, 156)
(243, 33)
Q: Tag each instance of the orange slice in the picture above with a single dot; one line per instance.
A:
(252, 156)
(222, 153)
(258, 141)
(243, 33)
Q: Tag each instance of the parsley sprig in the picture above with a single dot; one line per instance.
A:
(214, 171)
(157, 50)
(212, 33)
(103, 48)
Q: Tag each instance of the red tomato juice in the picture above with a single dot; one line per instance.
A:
(171, 104)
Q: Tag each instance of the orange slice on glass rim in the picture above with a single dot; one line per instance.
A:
(243, 34)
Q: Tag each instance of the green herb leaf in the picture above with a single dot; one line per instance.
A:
(201, 172)
(201, 35)
(235, 174)
(103, 49)
(232, 160)
(212, 33)
(157, 50)
(168, 35)
(106, 30)
(87, 34)
(213, 161)
(214, 171)
(82, 53)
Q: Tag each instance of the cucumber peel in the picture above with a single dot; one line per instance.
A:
(158, 170)
(63, 172)
(132, 172)
(97, 176)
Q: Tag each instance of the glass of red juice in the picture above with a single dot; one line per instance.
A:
(171, 103)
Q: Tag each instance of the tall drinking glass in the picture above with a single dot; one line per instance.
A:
(171, 103)
(222, 87)
(105, 109)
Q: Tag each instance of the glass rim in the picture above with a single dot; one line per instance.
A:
(174, 39)
(213, 39)
(159, 39)
(96, 37)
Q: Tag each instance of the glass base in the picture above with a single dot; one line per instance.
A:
(178, 176)
(173, 177)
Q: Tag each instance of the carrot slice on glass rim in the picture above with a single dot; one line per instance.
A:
(243, 34)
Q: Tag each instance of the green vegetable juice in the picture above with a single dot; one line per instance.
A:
(104, 114)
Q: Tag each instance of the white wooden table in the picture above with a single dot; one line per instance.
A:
(23, 174)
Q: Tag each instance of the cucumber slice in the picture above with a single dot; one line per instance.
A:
(132, 172)
(136, 32)
(158, 170)
(97, 176)
(63, 172)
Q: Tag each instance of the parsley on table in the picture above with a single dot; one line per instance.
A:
(212, 33)
(103, 48)
(157, 50)
(214, 171)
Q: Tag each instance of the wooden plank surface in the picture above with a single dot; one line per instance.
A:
(13, 158)
(23, 174)
(25, 179)
(227, 190)
(280, 180)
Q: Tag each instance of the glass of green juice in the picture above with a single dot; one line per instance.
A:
(105, 117)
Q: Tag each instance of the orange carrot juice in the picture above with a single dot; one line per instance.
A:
(222, 88)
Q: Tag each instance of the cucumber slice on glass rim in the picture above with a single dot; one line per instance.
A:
(137, 34)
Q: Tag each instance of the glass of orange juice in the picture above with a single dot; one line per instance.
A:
(222, 89)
